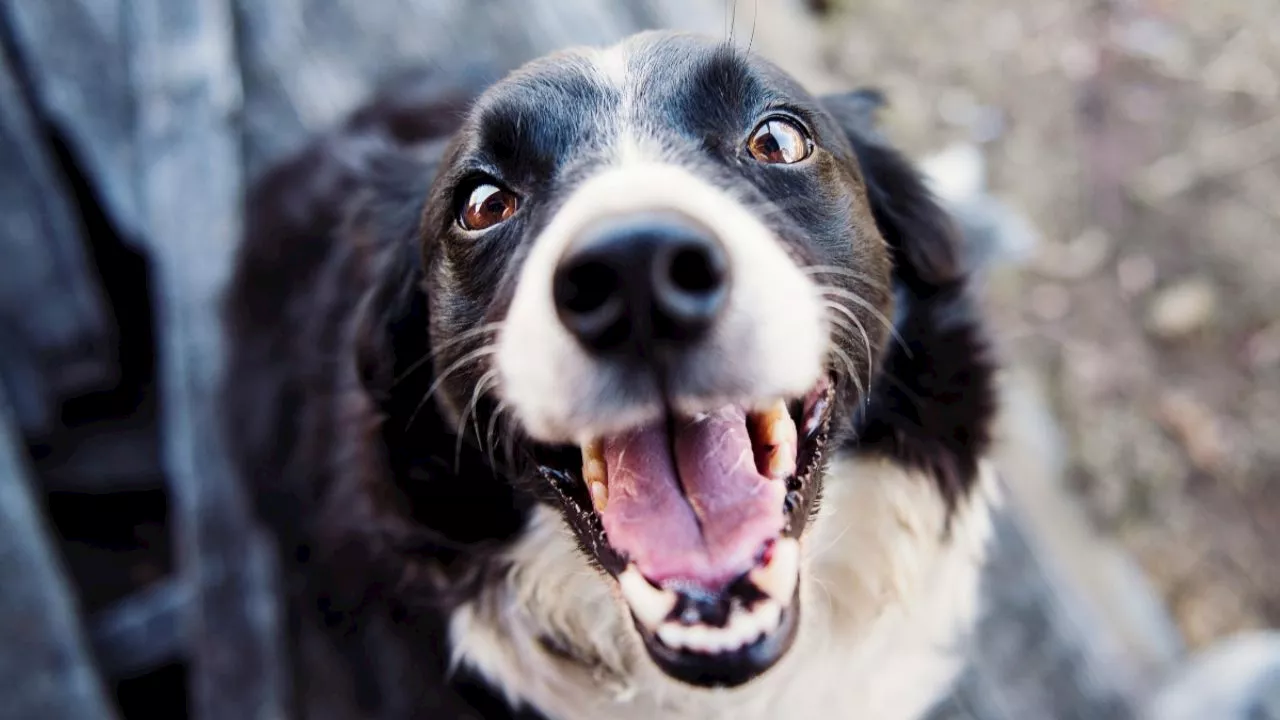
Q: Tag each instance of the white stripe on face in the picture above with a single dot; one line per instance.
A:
(769, 343)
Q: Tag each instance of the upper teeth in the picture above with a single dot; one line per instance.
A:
(775, 430)
(595, 473)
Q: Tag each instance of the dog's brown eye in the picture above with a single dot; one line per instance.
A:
(487, 205)
(779, 141)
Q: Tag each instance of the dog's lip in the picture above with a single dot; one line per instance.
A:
(720, 639)
(725, 667)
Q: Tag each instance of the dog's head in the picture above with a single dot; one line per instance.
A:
(657, 273)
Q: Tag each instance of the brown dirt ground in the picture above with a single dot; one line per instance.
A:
(1142, 138)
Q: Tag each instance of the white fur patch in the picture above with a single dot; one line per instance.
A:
(770, 342)
(885, 602)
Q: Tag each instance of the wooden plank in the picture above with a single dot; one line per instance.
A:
(187, 92)
(104, 457)
(143, 631)
(46, 670)
(52, 321)
(75, 55)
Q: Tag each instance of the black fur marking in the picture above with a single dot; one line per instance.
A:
(935, 401)
(325, 310)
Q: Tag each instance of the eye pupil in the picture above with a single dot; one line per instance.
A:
(779, 141)
(486, 206)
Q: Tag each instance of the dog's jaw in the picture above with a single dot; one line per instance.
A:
(888, 601)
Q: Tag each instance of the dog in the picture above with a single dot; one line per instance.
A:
(642, 384)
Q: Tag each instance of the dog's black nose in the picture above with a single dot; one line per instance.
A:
(653, 279)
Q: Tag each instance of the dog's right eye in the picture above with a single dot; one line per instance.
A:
(780, 141)
(486, 206)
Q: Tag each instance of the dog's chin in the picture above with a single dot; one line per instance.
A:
(698, 520)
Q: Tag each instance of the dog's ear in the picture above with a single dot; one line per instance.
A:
(925, 242)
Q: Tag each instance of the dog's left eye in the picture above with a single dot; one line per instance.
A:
(487, 205)
(779, 141)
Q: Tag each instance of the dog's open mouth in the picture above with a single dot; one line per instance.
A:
(703, 515)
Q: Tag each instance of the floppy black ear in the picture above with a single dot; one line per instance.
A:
(925, 242)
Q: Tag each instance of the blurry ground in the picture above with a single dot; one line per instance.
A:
(1143, 140)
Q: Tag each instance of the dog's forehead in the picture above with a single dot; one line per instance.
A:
(641, 88)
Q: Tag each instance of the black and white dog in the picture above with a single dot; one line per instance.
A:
(644, 385)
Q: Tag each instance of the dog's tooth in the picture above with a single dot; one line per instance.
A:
(775, 429)
(671, 635)
(720, 640)
(781, 462)
(593, 467)
(752, 625)
(599, 495)
(698, 637)
(778, 578)
(768, 616)
(774, 424)
(740, 627)
(595, 473)
(650, 604)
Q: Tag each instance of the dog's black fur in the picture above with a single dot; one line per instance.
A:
(386, 522)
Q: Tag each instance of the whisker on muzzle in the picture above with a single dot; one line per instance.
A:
(486, 381)
(852, 367)
(499, 410)
(462, 337)
(850, 273)
(457, 365)
(862, 329)
(856, 299)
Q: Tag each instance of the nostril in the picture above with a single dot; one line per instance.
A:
(586, 287)
(696, 271)
(589, 302)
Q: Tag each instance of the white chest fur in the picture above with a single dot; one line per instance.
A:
(886, 600)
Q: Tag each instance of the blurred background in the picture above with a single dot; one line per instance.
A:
(1141, 141)
(1115, 162)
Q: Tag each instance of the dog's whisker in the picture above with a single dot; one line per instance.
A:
(875, 312)
(826, 592)
(451, 343)
(850, 273)
(866, 340)
(733, 22)
(490, 440)
(456, 366)
(834, 541)
(851, 368)
(470, 410)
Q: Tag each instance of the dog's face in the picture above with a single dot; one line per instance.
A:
(654, 270)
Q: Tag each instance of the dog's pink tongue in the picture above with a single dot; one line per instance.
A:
(705, 524)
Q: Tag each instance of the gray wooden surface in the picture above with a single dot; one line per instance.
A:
(46, 668)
